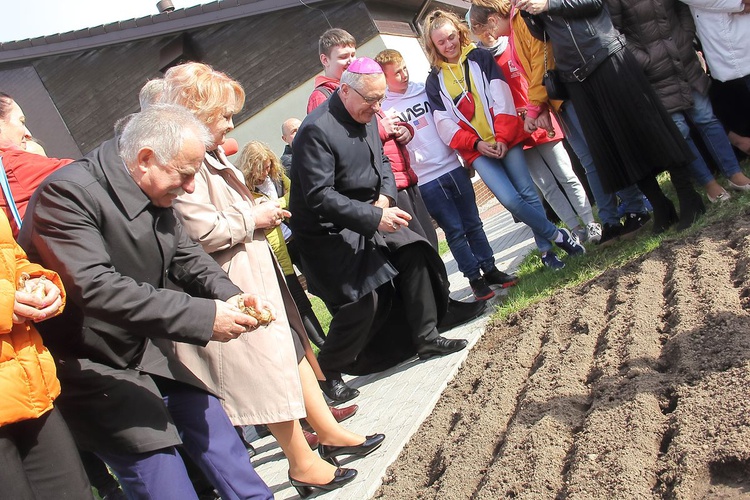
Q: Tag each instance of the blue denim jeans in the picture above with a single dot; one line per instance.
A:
(632, 198)
(451, 202)
(714, 137)
(510, 182)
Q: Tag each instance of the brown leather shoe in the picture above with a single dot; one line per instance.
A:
(341, 414)
(312, 439)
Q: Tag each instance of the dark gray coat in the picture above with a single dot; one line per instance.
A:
(660, 34)
(115, 253)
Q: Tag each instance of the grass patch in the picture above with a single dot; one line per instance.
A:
(443, 247)
(537, 282)
(321, 311)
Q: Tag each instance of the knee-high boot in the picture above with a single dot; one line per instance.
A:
(664, 212)
(691, 203)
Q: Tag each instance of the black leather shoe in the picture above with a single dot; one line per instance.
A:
(337, 391)
(440, 347)
(329, 453)
(340, 478)
(459, 313)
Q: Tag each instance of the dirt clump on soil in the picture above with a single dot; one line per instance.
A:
(633, 385)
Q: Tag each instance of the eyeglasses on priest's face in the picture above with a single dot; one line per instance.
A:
(371, 101)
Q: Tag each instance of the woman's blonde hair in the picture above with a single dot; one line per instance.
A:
(204, 91)
(253, 161)
(481, 10)
(436, 20)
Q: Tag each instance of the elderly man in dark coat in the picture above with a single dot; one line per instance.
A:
(384, 284)
(106, 225)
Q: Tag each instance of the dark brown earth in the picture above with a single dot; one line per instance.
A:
(633, 385)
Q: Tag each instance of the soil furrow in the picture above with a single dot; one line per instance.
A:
(633, 385)
(484, 398)
(532, 462)
(620, 440)
(709, 347)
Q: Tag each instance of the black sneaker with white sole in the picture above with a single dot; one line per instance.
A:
(610, 234)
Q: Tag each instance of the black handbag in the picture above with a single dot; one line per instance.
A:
(551, 80)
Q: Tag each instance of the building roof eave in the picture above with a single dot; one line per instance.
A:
(144, 27)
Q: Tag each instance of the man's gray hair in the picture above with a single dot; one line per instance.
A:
(161, 128)
(151, 93)
(358, 80)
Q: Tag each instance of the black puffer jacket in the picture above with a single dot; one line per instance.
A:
(580, 31)
(660, 34)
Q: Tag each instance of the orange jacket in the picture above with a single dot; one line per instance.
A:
(28, 383)
(530, 53)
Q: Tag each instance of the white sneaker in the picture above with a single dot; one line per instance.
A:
(594, 232)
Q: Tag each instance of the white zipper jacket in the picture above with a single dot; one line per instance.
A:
(430, 156)
(724, 32)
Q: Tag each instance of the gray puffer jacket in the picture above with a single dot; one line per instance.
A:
(660, 34)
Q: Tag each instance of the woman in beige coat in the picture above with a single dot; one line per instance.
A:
(270, 375)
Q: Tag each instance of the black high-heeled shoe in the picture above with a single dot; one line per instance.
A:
(329, 453)
(340, 478)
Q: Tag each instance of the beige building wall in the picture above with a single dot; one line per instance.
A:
(265, 126)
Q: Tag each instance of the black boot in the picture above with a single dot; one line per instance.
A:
(664, 213)
(665, 216)
(691, 203)
(459, 313)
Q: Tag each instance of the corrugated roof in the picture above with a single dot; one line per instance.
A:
(142, 27)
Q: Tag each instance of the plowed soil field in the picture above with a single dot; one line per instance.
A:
(633, 385)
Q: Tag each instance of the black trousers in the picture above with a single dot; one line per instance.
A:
(40, 461)
(415, 291)
(356, 324)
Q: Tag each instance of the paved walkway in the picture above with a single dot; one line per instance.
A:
(397, 401)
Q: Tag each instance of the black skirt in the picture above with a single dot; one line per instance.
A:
(629, 132)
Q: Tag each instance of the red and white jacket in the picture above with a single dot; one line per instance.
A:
(487, 84)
